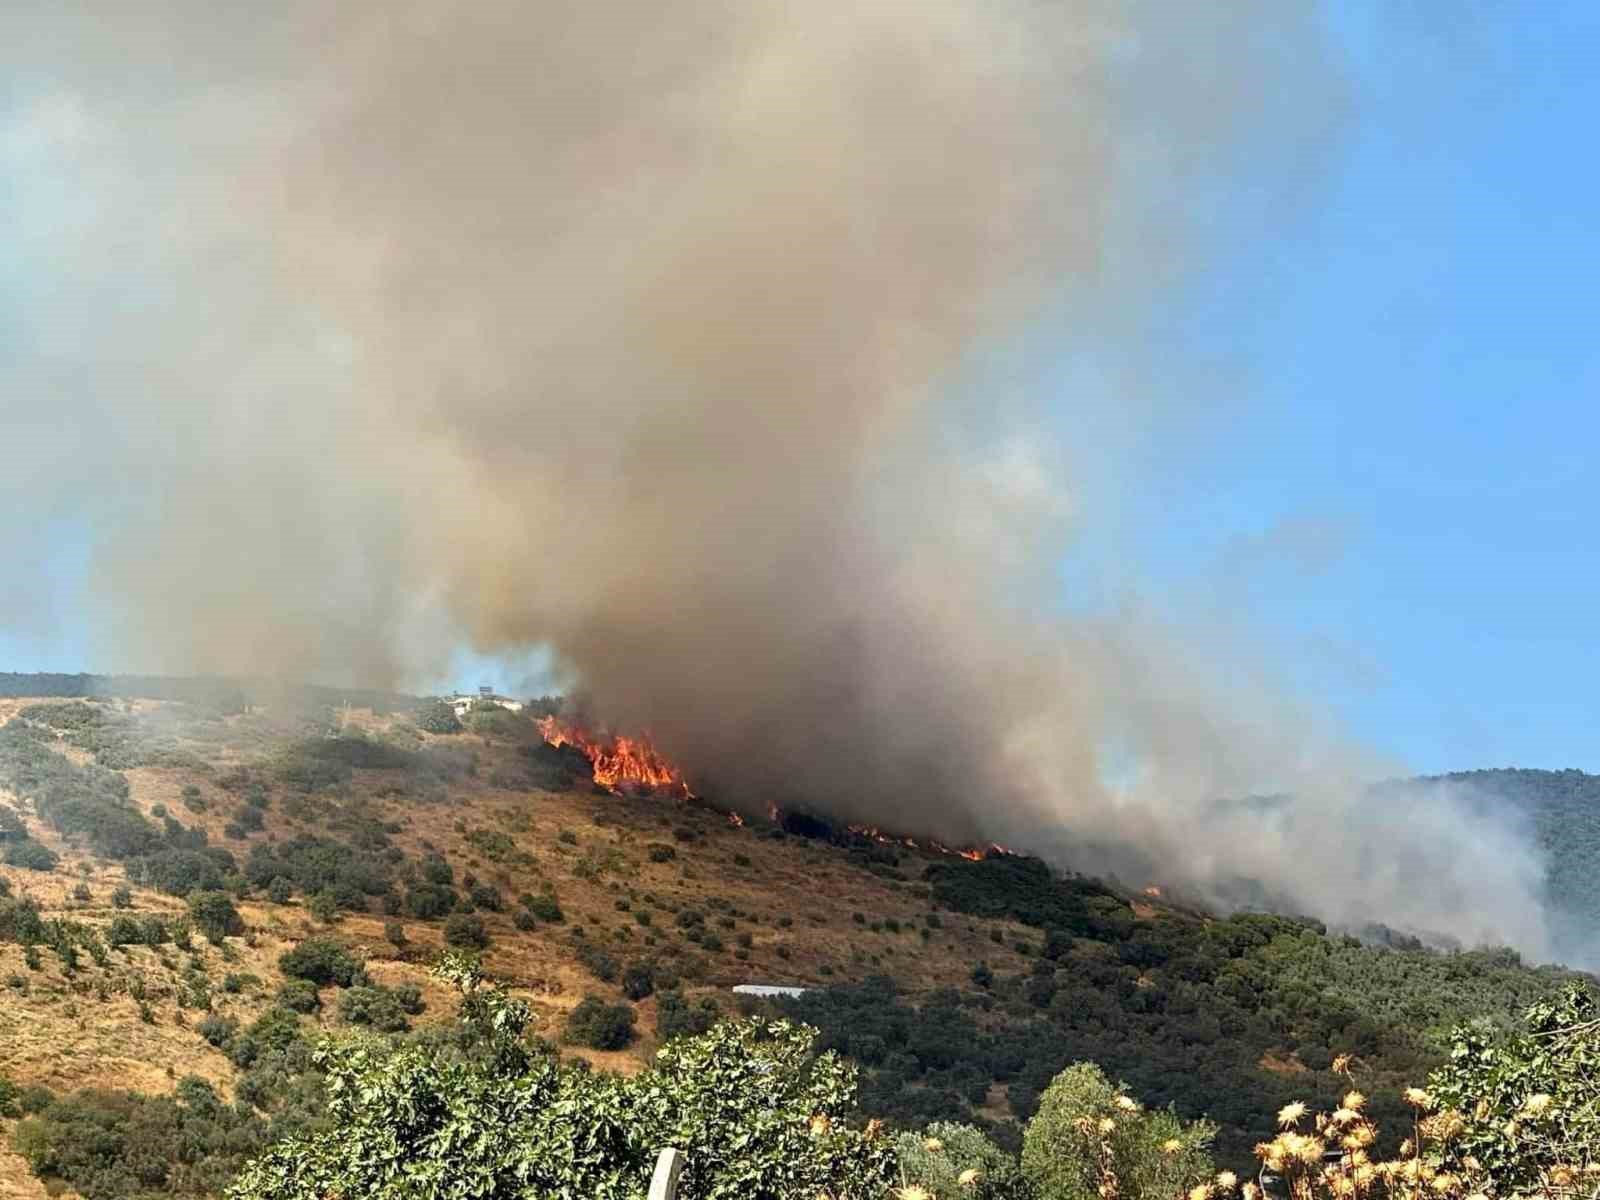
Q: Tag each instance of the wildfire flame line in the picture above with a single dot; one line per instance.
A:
(970, 853)
(617, 760)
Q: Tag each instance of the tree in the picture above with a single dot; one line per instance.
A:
(466, 932)
(30, 855)
(599, 1025)
(215, 916)
(323, 961)
(755, 1111)
(1522, 1107)
(1088, 1133)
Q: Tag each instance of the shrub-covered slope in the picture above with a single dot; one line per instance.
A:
(194, 891)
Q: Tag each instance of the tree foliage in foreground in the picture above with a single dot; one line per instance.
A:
(1087, 1130)
(756, 1113)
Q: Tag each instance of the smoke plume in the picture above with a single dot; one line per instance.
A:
(357, 333)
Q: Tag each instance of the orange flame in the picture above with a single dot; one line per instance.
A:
(616, 760)
(1153, 890)
(970, 853)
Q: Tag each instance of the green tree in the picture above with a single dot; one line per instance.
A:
(322, 961)
(215, 916)
(1087, 1132)
(1526, 1104)
(754, 1110)
(599, 1025)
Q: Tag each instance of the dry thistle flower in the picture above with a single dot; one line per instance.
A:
(1406, 1147)
(1537, 1104)
(969, 1177)
(1354, 1099)
(873, 1130)
(1343, 1116)
(821, 1125)
(1200, 1191)
(1311, 1152)
(1227, 1180)
(1127, 1104)
(1359, 1137)
(1341, 1063)
(1106, 1125)
(1443, 1126)
(1477, 1196)
(1290, 1113)
(1173, 1145)
(1563, 1175)
(1417, 1098)
(1444, 1183)
(1251, 1191)
(932, 1145)
(913, 1191)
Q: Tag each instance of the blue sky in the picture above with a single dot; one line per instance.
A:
(1397, 499)
(1403, 505)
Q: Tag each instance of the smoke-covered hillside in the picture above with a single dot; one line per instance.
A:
(1562, 810)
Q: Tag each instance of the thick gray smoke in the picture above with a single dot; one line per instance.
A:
(355, 333)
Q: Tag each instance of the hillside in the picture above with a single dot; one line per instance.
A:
(1562, 811)
(135, 829)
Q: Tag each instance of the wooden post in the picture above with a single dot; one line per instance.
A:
(664, 1182)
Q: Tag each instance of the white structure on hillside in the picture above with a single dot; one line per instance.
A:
(767, 989)
(462, 702)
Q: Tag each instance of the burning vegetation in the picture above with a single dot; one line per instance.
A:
(621, 763)
(617, 761)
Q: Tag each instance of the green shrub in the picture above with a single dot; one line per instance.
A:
(299, 995)
(676, 1017)
(545, 907)
(599, 964)
(639, 980)
(30, 855)
(10, 1098)
(466, 932)
(436, 716)
(215, 916)
(660, 852)
(122, 897)
(323, 961)
(598, 1025)
(381, 1008)
(428, 902)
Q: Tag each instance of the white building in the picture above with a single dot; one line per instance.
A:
(463, 702)
(767, 989)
